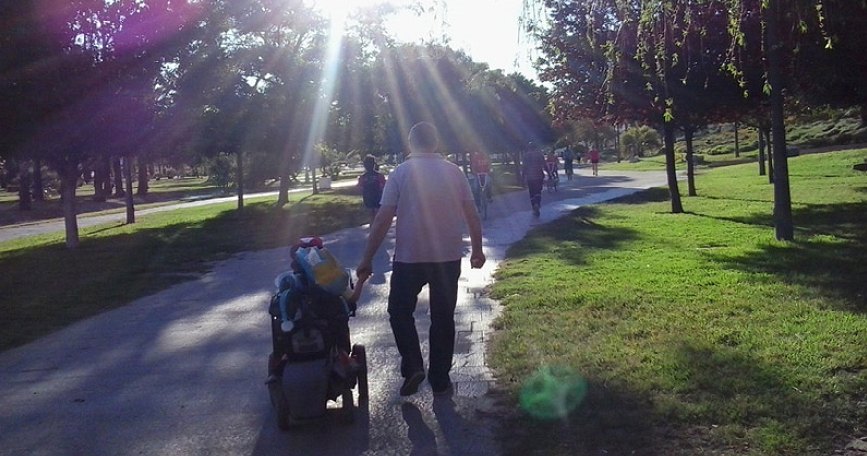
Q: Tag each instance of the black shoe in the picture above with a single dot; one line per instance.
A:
(410, 384)
(447, 391)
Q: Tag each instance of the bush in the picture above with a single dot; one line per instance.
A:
(220, 172)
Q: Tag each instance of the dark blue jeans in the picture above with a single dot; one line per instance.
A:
(407, 280)
(535, 188)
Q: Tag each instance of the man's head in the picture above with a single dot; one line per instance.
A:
(369, 163)
(423, 138)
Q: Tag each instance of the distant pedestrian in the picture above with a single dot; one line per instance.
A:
(533, 169)
(480, 166)
(371, 184)
(433, 202)
(594, 161)
(568, 159)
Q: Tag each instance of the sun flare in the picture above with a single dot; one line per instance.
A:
(343, 8)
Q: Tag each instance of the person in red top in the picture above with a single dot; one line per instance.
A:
(594, 161)
(552, 166)
(480, 162)
(480, 166)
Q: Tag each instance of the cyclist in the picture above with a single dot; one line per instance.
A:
(480, 165)
(552, 166)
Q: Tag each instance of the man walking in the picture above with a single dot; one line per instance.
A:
(534, 174)
(432, 200)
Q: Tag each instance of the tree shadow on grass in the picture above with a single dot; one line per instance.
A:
(651, 195)
(571, 236)
(735, 397)
(730, 401)
(829, 253)
(608, 421)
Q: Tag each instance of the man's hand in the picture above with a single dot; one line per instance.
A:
(477, 260)
(364, 270)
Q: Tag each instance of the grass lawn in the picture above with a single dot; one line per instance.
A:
(695, 333)
(159, 192)
(45, 286)
(653, 163)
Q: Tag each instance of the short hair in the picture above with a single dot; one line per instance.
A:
(369, 163)
(423, 135)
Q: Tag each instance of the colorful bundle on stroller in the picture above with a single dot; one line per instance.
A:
(313, 360)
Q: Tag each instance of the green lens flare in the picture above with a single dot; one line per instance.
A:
(552, 393)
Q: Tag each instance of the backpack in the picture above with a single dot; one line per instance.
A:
(534, 166)
(318, 320)
(322, 269)
(371, 188)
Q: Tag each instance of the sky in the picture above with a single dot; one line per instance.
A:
(487, 30)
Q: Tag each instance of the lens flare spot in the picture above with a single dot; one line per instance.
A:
(552, 392)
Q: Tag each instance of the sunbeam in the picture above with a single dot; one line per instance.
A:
(327, 83)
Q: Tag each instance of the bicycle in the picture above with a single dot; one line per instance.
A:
(552, 179)
(481, 190)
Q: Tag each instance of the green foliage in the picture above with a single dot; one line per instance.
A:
(332, 161)
(220, 172)
(639, 140)
(697, 332)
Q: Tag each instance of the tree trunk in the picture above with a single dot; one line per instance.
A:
(101, 180)
(315, 186)
(617, 143)
(784, 227)
(863, 114)
(24, 196)
(770, 156)
(142, 178)
(517, 165)
(690, 161)
(283, 192)
(126, 163)
(239, 160)
(670, 170)
(105, 182)
(118, 177)
(737, 144)
(761, 151)
(38, 187)
(68, 184)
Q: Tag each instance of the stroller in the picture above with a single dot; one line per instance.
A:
(313, 361)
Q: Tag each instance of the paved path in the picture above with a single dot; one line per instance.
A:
(181, 372)
(10, 232)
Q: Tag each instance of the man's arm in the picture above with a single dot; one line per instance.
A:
(474, 224)
(378, 229)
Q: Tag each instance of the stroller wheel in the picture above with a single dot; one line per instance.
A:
(360, 355)
(348, 408)
(281, 406)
